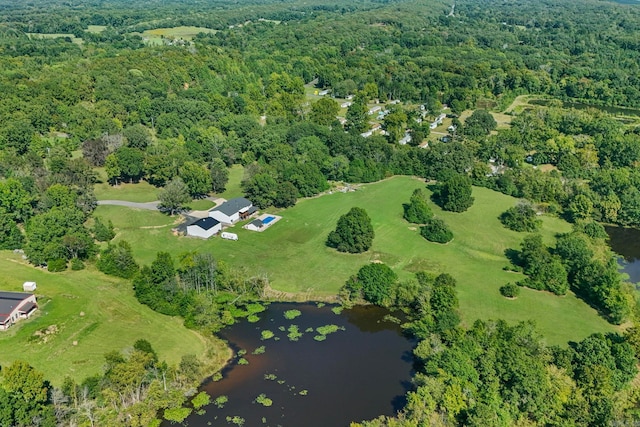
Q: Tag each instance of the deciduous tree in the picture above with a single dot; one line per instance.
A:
(354, 232)
(174, 196)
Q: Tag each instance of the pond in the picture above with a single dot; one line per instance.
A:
(625, 111)
(358, 369)
(626, 243)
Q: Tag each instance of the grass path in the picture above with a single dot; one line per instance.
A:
(293, 254)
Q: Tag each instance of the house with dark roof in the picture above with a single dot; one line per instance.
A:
(15, 306)
(233, 210)
(204, 227)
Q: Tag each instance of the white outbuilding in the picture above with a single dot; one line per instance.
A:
(29, 286)
(204, 227)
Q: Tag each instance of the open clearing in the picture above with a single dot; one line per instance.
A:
(156, 35)
(141, 192)
(73, 38)
(294, 256)
(97, 312)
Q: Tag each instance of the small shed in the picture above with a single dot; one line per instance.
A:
(255, 225)
(29, 286)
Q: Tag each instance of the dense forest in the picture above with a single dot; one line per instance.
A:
(87, 96)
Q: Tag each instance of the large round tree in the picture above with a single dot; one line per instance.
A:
(455, 193)
(354, 232)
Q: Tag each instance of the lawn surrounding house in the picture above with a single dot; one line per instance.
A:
(293, 254)
(82, 315)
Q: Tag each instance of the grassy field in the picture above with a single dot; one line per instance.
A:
(141, 192)
(73, 38)
(294, 256)
(233, 186)
(91, 315)
(96, 28)
(156, 35)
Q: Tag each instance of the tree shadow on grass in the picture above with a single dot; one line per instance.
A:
(513, 256)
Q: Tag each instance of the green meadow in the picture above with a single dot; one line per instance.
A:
(141, 192)
(156, 35)
(83, 315)
(72, 37)
(292, 253)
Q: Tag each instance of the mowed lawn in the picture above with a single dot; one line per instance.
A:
(292, 253)
(140, 192)
(90, 314)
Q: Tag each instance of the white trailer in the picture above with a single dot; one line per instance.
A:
(229, 236)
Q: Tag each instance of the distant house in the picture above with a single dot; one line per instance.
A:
(374, 109)
(324, 92)
(438, 121)
(204, 227)
(255, 225)
(346, 104)
(233, 210)
(405, 139)
(15, 306)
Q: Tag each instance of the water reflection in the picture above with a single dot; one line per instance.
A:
(626, 243)
(359, 372)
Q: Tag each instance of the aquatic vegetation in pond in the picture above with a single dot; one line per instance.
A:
(220, 401)
(329, 329)
(253, 318)
(217, 376)
(243, 361)
(270, 377)
(292, 314)
(325, 330)
(320, 305)
(264, 400)
(303, 392)
(259, 350)
(176, 415)
(266, 334)
(294, 333)
(255, 308)
(201, 399)
(236, 419)
(338, 309)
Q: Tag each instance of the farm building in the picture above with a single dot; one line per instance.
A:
(255, 225)
(233, 210)
(204, 227)
(15, 306)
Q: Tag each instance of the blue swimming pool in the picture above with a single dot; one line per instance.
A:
(268, 219)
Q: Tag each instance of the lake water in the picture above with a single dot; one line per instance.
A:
(626, 111)
(626, 243)
(359, 372)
